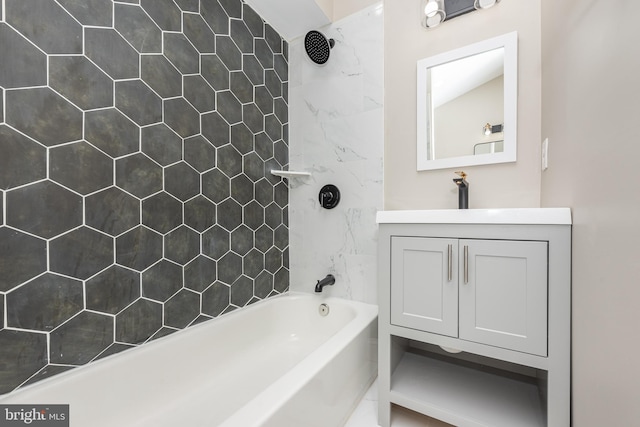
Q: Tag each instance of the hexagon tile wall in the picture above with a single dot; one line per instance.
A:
(136, 138)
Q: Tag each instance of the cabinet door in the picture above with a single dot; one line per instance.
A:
(424, 284)
(503, 294)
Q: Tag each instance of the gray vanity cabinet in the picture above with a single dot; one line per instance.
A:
(486, 291)
(474, 321)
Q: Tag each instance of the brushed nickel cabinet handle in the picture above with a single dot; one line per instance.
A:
(450, 261)
(466, 264)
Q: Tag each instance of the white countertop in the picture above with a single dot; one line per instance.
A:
(557, 216)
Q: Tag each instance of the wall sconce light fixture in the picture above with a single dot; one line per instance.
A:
(489, 129)
(434, 12)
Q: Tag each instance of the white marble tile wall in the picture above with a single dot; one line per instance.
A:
(336, 133)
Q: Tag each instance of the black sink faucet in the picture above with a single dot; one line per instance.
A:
(463, 190)
(327, 281)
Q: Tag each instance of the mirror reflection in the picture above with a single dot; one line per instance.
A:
(467, 101)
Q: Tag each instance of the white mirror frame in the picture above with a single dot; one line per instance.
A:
(510, 44)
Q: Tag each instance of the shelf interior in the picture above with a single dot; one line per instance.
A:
(465, 395)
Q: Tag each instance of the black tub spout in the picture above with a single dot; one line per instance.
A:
(327, 281)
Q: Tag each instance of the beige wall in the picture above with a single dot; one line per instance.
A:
(591, 100)
(505, 185)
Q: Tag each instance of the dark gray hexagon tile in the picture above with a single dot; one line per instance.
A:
(232, 7)
(281, 237)
(81, 339)
(216, 16)
(188, 5)
(263, 53)
(214, 71)
(181, 53)
(281, 67)
(253, 69)
(81, 253)
(264, 238)
(112, 211)
(242, 189)
(180, 116)
(44, 303)
(199, 33)
(253, 118)
(81, 82)
(273, 83)
(273, 215)
(111, 53)
(241, 291)
(199, 153)
(182, 181)
(22, 257)
(241, 87)
(273, 38)
(281, 110)
(28, 65)
(264, 99)
(114, 348)
(138, 322)
(112, 132)
(97, 13)
(281, 151)
(273, 260)
(46, 24)
(139, 248)
(253, 215)
(229, 107)
(22, 161)
(162, 212)
(216, 186)
(215, 300)
(264, 192)
(182, 309)
(137, 28)
(30, 209)
(215, 242)
(162, 280)
(161, 144)
(182, 245)
(161, 75)
(253, 21)
(165, 13)
(216, 129)
(113, 290)
(281, 280)
(229, 214)
(47, 372)
(163, 332)
(138, 102)
(200, 273)
(241, 240)
(281, 194)
(80, 167)
(263, 284)
(43, 115)
(229, 268)
(253, 263)
(253, 166)
(139, 175)
(32, 348)
(2, 325)
(198, 92)
(241, 138)
(273, 127)
(229, 161)
(228, 52)
(241, 35)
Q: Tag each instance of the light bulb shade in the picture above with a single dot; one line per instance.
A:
(485, 4)
(433, 13)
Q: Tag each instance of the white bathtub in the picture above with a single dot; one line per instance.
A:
(277, 363)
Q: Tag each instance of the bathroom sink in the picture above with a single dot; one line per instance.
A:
(477, 216)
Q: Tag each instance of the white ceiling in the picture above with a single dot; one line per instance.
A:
(290, 18)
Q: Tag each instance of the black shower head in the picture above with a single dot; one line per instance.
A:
(318, 47)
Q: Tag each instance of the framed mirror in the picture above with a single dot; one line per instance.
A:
(467, 105)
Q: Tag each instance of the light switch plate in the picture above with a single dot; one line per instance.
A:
(545, 154)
